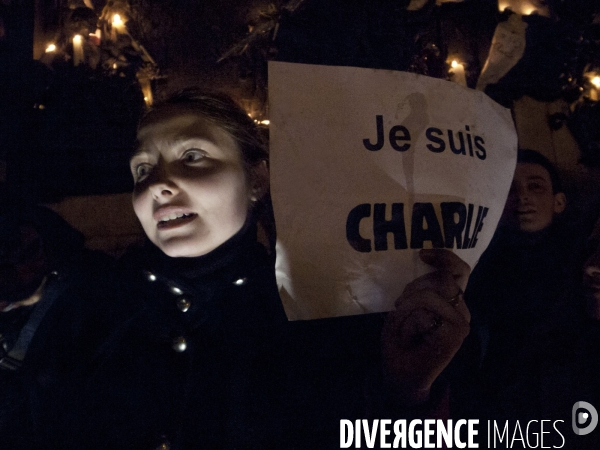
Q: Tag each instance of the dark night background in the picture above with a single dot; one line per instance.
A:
(67, 131)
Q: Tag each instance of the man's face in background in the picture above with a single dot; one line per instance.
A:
(532, 202)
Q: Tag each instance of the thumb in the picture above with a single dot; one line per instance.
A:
(443, 259)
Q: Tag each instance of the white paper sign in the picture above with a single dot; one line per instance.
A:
(367, 167)
(508, 47)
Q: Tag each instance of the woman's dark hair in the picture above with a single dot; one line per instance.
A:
(222, 111)
(532, 157)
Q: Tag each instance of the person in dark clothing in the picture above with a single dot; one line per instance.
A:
(559, 365)
(191, 348)
(523, 273)
(195, 361)
(43, 269)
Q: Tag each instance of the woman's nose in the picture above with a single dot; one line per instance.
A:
(162, 184)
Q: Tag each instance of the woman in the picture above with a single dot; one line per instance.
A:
(194, 350)
(195, 360)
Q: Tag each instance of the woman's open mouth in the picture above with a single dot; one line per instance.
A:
(175, 220)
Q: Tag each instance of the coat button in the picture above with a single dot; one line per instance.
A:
(179, 344)
(163, 446)
(150, 276)
(183, 304)
(175, 290)
(240, 281)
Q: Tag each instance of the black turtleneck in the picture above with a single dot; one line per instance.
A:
(151, 258)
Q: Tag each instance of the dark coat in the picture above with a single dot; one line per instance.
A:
(515, 287)
(59, 344)
(558, 367)
(34, 338)
(185, 359)
(197, 353)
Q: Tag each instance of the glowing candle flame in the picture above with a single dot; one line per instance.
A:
(528, 10)
(458, 73)
(596, 82)
(51, 48)
(117, 21)
(77, 50)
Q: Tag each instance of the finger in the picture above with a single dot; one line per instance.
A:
(425, 327)
(447, 340)
(409, 331)
(440, 281)
(431, 301)
(461, 307)
(442, 284)
(443, 259)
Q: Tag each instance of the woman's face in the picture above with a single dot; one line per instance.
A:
(191, 190)
(591, 274)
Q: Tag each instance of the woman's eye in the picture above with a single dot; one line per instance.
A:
(142, 171)
(193, 155)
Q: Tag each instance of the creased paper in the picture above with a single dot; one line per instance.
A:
(367, 167)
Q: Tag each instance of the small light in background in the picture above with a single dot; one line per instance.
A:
(95, 37)
(524, 7)
(146, 86)
(117, 21)
(51, 48)
(528, 10)
(77, 50)
(457, 72)
(594, 80)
